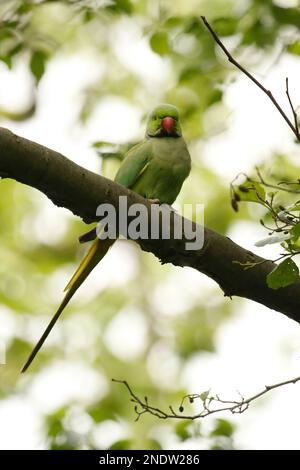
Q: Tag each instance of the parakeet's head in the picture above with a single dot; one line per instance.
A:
(163, 121)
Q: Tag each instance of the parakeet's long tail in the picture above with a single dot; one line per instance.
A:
(96, 252)
(88, 236)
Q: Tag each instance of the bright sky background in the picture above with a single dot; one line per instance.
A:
(255, 347)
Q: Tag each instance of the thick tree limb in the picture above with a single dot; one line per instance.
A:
(81, 191)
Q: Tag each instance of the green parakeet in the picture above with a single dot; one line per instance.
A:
(156, 169)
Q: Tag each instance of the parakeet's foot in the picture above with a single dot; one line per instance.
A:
(154, 201)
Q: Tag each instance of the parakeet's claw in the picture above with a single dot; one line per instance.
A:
(154, 201)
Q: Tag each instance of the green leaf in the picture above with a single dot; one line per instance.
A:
(223, 428)
(294, 48)
(293, 243)
(295, 232)
(38, 64)
(107, 150)
(7, 61)
(102, 143)
(54, 422)
(283, 275)
(121, 6)
(259, 33)
(181, 430)
(173, 22)
(154, 444)
(289, 16)
(225, 26)
(123, 444)
(251, 191)
(204, 395)
(159, 43)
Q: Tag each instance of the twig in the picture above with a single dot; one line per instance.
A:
(283, 219)
(292, 107)
(262, 181)
(145, 407)
(249, 265)
(274, 186)
(234, 406)
(231, 59)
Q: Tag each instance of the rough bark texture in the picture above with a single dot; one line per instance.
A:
(81, 191)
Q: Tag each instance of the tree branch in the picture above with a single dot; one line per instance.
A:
(292, 108)
(211, 404)
(232, 60)
(81, 191)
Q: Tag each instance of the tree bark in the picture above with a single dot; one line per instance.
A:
(81, 191)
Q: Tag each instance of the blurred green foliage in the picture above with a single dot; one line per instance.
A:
(32, 271)
(277, 192)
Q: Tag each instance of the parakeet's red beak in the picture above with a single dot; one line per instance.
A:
(168, 124)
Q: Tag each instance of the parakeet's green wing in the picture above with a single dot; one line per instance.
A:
(134, 164)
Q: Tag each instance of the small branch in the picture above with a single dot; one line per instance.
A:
(292, 107)
(274, 186)
(207, 402)
(144, 406)
(285, 220)
(262, 181)
(231, 59)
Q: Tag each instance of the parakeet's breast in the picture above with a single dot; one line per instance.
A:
(168, 167)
